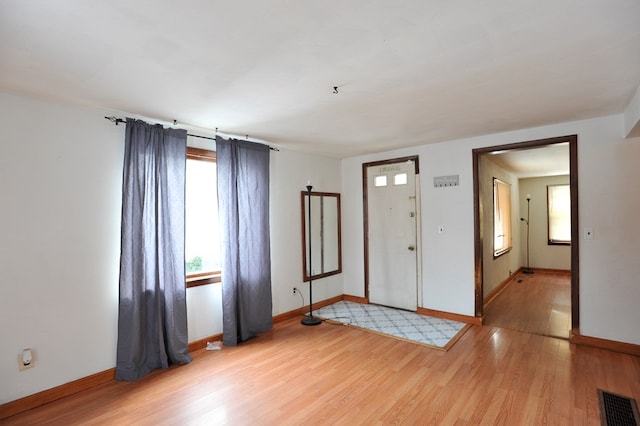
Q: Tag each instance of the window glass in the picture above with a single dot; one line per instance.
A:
(380, 180)
(559, 214)
(400, 179)
(501, 217)
(202, 236)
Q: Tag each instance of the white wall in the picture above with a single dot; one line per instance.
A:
(290, 172)
(541, 254)
(609, 184)
(60, 186)
(447, 258)
(632, 116)
(609, 203)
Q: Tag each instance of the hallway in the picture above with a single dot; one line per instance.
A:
(539, 303)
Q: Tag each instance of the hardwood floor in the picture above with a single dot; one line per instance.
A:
(539, 303)
(331, 374)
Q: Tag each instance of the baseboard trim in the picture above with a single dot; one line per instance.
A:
(496, 291)
(37, 399)
(450, 316)
(550, 271)
(327, 302)
(610, 345)
(202, 343)
(288, 315)
(303, 310)
(355, 299)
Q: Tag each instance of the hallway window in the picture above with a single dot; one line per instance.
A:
(559, 214)
(501, 217)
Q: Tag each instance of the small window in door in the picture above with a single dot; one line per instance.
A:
(400, 179)
(380, 180)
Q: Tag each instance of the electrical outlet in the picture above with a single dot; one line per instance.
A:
(25, 360)
(295, 290)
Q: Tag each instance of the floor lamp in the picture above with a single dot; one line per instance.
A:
(310, 320)
(528, 270)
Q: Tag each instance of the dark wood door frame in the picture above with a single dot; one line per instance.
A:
(365, 200)
(575, 234)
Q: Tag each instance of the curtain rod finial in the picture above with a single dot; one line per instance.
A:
(115, 120)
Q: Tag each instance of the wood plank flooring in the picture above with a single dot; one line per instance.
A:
(337, 375)
(539, 303)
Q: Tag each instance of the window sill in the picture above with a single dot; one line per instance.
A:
(500, 253)
(198, 280)
(558, 243)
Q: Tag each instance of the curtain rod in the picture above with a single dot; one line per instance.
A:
(116, 121)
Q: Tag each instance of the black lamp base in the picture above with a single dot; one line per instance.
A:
(527, 271)
(311, 321)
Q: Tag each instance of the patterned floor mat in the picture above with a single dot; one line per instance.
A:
(430, 331)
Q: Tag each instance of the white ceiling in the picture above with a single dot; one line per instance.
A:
(548, 160)
(408, 72)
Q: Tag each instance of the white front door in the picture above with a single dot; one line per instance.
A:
(392, 229)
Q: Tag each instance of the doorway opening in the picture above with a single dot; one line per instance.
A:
(482, 215)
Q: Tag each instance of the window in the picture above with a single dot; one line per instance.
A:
(559, 214)
(400, 179)
(202, 237)
(380, 180)
(501, 217)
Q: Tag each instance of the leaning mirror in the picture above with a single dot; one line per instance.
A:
(326, 247)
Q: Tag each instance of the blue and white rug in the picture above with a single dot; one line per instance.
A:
(434, 332)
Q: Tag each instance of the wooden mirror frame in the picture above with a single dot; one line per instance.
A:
(320, 217)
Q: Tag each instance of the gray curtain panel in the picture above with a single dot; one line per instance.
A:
(152, 321)
(243, 204)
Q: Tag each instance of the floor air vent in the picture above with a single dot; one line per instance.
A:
(617, 410)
